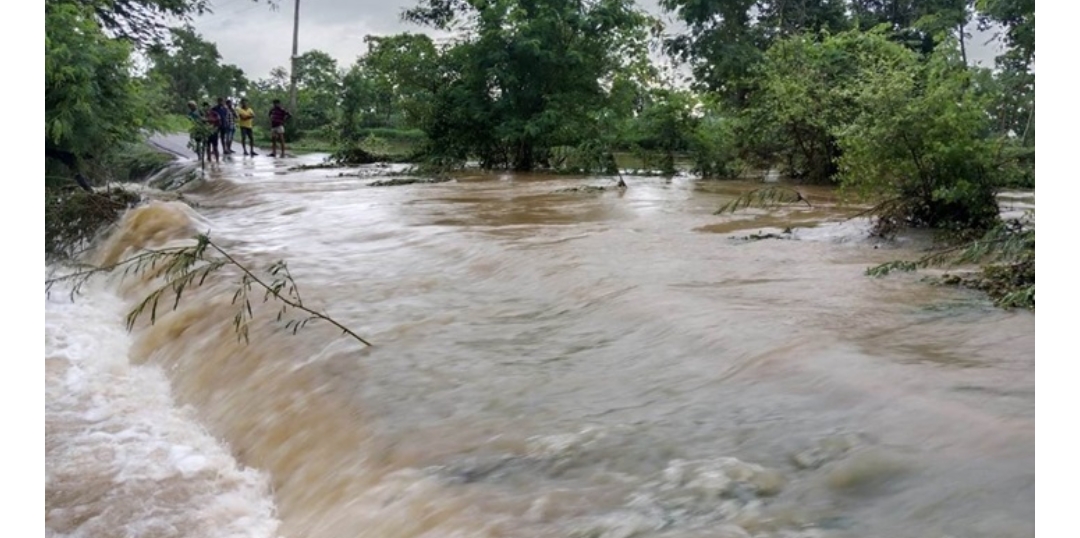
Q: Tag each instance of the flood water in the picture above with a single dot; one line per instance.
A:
(546, 364)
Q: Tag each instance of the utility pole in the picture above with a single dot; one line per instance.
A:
(292, 68)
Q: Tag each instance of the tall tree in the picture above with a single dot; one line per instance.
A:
(318, 83)
(405, 69)
(145, 22)
(1018, 19)
(191, 68)
(529, 75)
(91, 101)
(393, 85)
(921, 141)
(727, 38)
(317, 70)
(1015, 108)
(917, 24)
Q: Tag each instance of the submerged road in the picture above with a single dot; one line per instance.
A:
(175, 144)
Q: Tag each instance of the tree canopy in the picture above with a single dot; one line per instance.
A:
(872, 95)
(91, 99)
(529, 75)
(190, 67)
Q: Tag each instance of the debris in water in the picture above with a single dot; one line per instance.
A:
(593, 189)
(584, 189)
(867, 471)
(407, 181)
(826, 449)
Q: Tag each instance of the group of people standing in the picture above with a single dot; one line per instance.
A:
(216, 126)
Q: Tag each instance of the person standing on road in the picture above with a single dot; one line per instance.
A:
(197, 132)
(223, 123)
(213, 123)
(246, 120)
(278, 116)
(230, 128)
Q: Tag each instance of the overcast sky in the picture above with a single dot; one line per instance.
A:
(257, 38)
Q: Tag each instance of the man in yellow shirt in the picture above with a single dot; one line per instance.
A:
(246, 119)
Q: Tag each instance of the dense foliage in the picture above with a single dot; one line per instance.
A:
(529, 77)
(91, 99)
(874, 96)
(189, 68)
(921, 143)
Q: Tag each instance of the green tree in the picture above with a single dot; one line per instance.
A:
(1014, 79)
(664, 127)
(802, 100)
(713, 142)
(317, 71)
(191, 69)
(726, 38)
(390, 86)
(145, 22)
(531, 75)
(917, 24)
(92, 103)
(318, 87)
(405, 70)
(359, 105)
(1018, 19)
(922, 143)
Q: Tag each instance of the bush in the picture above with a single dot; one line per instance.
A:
(920, 143)
(73, 218)
(415, 136)
(802, 99)
(1007, 255)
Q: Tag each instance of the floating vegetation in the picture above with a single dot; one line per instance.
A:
(593, 189)
(396, 182)
(764, 198)
(786, 234)
(1007, 254)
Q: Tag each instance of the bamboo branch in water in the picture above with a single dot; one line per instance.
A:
(186, 267)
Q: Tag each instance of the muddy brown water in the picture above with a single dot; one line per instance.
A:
(607, 364)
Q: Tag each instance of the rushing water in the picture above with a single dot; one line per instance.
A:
(607, 364)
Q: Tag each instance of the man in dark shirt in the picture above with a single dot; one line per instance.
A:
(278, 116)
(225, 123)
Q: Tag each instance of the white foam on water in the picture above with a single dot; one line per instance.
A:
(120, 458)
(856, 231)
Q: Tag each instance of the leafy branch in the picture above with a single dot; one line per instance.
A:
(1007, 253)
(183, 268)
(763, 198)
(1007, 242)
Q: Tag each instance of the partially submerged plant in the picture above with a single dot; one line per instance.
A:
(1006, 253)
(73, 218)
(188, 267)
(764, 197)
